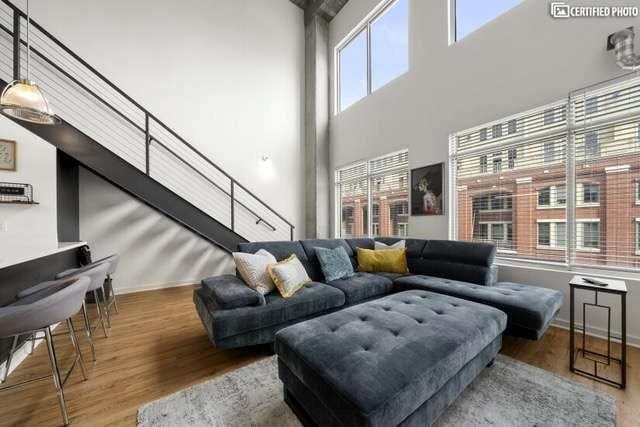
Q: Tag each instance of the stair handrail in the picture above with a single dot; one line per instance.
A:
(148, 115)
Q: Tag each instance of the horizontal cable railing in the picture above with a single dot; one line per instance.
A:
(87, 100)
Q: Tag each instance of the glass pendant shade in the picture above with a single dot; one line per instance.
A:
(23, 100)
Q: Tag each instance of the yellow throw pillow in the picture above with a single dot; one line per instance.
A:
(387, 261)
(288, 275)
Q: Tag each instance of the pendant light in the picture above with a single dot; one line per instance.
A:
(23, 99)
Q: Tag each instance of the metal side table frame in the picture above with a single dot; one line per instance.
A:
(616, 287)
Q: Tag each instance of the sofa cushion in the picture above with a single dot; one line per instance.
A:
(414, 247)
(313, 298)
(530, 308)
(363, 286)
(476, 274)
(389, 260)
(376, 363)
(314, 264)
(470, 253)
(289, 276)
(335, 263)
(360, 243)
(253, 269)
(228, 291)
(281, 250)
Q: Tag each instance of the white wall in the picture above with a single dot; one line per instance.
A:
(25, 230)
(155, 251)
(521, 60)
(228, 75)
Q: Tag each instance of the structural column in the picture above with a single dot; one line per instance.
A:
(523, 222)
(318, 177)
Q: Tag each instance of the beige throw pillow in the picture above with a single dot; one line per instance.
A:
(289, 276)
(253, 270)
(379, 246)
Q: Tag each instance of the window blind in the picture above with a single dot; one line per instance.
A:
(606, 133)
(372, 197)
(558, 183)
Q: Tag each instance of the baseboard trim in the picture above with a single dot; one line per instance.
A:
(632, 340)
(149, 287)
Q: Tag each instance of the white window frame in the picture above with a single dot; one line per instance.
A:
(580, 195)
(637, 193)
(553, 197)
(553, 234)
(490, 225)
(580, 235)
(364, 25)
(337, 214)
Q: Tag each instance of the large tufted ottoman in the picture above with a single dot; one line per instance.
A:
(397, 360)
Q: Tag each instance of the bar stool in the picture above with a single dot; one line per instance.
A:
(55, 303)
(113, 261)
(109, 297)
(96, 275)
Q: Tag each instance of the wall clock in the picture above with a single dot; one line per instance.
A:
(7, 155)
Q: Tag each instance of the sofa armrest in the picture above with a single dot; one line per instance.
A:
(229, 291)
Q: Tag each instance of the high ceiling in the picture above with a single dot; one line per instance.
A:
(327, 9)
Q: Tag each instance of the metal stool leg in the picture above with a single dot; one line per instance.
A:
(76, 346)
(87, 330)
(100, 316)
(56, 375)
(7, 366)
(105, 307)
(113, 295)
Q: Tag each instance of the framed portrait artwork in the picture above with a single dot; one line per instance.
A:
(7, 155)
(427, 190)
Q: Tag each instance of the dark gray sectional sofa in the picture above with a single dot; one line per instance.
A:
(235, 315)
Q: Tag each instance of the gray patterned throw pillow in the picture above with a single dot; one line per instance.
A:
(335, 263)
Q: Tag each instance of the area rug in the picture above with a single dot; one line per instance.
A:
(507, 394)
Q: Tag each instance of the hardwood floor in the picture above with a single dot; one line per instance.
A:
(158, 346)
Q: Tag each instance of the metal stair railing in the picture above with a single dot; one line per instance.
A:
(88, 101)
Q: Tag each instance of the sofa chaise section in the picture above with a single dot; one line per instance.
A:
(530, 309)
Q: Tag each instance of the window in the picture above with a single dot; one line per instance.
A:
(549, 152)
(377, 54)
(512, 127)
(378, 185)
(483, 164)
(591, 105)
(390, 44)
(544, 234)
(496, 131)
(549, 116)
(590, 193)
(588, 235)
(497, 162)
(591, 146)
(353, 70)
(483, 134)
(552, 234)
(544, 197)
(554, 196)
(469, 15)
(564, 155)
(561, 195)
(500, 233)
(512, 156)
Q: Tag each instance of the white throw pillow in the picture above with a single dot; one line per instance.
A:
(253, 269)
(289, 276)
(379, 246)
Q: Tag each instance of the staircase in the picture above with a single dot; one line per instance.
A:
(114, 136)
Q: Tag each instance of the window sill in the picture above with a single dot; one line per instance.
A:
(552, 207)
(590, 250)
(507, 251)
(611, 273)
(551, 248)
(588, 205)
